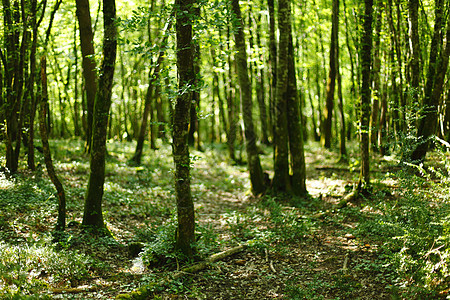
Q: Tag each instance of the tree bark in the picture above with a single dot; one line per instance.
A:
(93, 216)
(89, 65)
(374, 125)
(281, 180)
(366, 61)
(254, 164)
(260, 87)
(415, 48)
(437, 68)
(295, 124)
(186, 79)
(331, 82)
(273, 67)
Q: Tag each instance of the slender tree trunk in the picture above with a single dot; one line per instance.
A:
(415, 48)
(331, 82)
(93, 216)
(254, 164)
(342, 133)
(260, 87)
(76, 104)
(374, 125)
(61, 220)
(273, 67)
(31, 81)
(366, 61)
(281, 180)
(153, 77)
(186, 79)
(382, 133)
(231, 106)
(295, 124)
(89, 65)
(194, 123)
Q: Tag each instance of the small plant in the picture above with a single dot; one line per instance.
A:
(160, 249)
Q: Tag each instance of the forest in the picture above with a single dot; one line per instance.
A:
(224, 149)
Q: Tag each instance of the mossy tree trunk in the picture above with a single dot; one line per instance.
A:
(366, 61)
(254, 164)
(93, 216)
(185, 12)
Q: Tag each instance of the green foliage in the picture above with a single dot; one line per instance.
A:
(269, 224)
(289, 224)
(160, 248)
(413, 231)
(30, 269)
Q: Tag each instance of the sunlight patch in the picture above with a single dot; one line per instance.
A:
(5, 183)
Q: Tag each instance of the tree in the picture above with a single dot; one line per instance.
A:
(288, 130)
(437, 68)
(281, 180)
(331, 82)
(153, 76)
(89, 65)
(93, 216)
(16, 43)
(253, 161)
(61, 195)
(366, 61)
(185, 12)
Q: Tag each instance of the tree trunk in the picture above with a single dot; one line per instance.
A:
(89, 65)
(273, 67)
(295, 124)
(231, 105)
(194, 126)
(61, 220)
(186, 80)
(415, 48)
(153, 77)
(366, 61)
(437, 68)
(260, 87)
(281, 180)
(374, 126)
(76, 105)
(93, 216)
(254, 164)
(343, 133)
(331, 82)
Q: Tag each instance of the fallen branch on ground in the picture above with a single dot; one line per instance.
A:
(143, 292)
(80, 289)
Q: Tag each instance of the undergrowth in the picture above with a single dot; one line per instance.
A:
(408, 223)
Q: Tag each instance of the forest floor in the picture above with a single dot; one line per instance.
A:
(311, 248)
